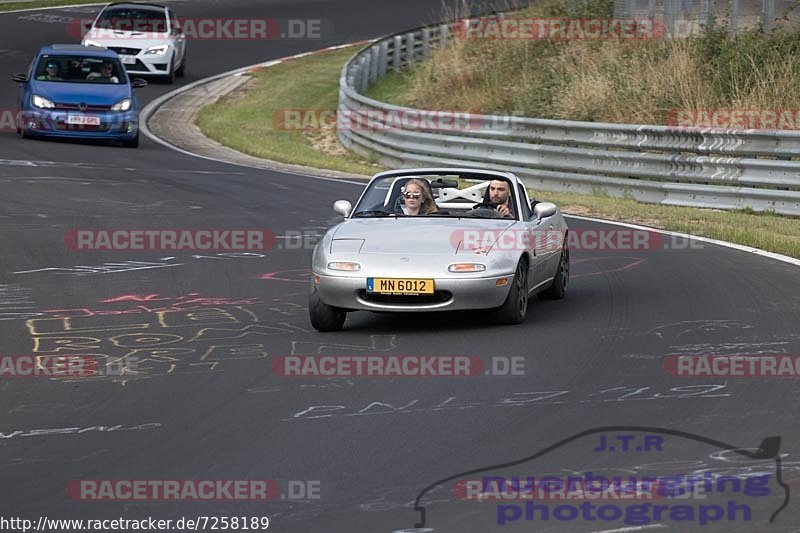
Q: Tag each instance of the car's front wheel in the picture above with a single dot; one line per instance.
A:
(132, 143)
(515, 308)
(324, 317)
(170, 78)
(181, 72)
(558, 289)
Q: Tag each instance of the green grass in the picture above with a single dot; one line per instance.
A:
(766, 231)
(43, 3)
(246, 122)
(606, 80)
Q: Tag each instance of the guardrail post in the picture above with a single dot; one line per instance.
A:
(443, 35)
(703, 13)
(768, 14)
(396, 53)
(734, 24)
(383, 58)
(363, 77)
(374, 55)
(409, 49)
(426, 42)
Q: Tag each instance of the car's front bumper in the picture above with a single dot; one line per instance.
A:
(451, 294)
(150, 64)
(114, 125)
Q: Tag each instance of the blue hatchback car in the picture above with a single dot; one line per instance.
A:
(78, 92)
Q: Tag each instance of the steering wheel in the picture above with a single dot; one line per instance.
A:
(488, 207)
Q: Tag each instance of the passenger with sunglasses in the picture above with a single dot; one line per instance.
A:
(418, 198)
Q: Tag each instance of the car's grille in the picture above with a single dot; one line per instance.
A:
(137, 66)
(125, 51)
(423, 299)
(77, 107)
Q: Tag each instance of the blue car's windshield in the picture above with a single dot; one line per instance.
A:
(80, 69)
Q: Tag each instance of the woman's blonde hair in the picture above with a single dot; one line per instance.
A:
(428, 203)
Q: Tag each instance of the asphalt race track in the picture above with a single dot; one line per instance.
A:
(204, 404)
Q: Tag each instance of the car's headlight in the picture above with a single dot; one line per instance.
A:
(89, 42)
(122, 105)
(41, 103)
(466, 267)
(157, 50)
(349, 266)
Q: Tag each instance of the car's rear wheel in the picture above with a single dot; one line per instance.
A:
(558, 289)
(515, 308)
(324, 317)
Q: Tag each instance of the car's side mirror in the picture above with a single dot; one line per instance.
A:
(343, 207)
(543, 210)
(19, 78)
(138, 82)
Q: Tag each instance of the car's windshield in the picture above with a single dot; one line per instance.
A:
(79, 69)
(132, 19)
(440, 196)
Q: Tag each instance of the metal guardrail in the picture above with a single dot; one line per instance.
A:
(719, 168)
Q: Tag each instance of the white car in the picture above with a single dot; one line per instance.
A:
(147, 37)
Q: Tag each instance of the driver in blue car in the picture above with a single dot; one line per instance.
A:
(499, 194)
(105, 74)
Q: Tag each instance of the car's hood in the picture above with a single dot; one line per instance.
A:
(407, 235)
(76, 93)
(127, 39)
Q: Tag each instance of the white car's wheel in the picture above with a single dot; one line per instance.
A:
(181, 72)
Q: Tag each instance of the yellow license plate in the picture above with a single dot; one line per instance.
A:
(399, 286)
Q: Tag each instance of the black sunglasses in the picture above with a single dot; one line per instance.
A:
(412, 194)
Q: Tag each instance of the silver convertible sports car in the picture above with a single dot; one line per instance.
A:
(439, 239)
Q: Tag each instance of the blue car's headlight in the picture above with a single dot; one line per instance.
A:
(41, 103)
(122, 105)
